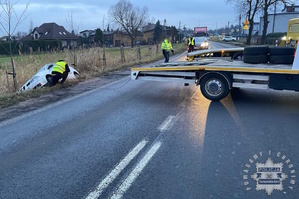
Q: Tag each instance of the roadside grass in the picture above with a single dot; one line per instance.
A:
(89, 63)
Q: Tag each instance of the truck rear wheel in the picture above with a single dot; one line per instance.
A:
(214, 87)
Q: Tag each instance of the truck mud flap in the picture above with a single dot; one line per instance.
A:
(284, 82)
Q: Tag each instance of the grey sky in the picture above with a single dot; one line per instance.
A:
(89, 14)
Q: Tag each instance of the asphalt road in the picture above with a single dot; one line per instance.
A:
(135, 139)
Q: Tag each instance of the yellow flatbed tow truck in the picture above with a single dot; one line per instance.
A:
(217, 71)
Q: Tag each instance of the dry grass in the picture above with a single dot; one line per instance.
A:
(89, 63)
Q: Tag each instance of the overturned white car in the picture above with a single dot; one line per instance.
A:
(39, 79)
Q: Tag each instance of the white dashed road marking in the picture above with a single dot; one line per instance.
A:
(116, 171)
(129, 180)
(167, 124)
(125, 185)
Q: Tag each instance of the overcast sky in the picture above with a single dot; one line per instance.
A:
(89, 14)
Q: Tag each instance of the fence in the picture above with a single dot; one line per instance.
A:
(89, 62)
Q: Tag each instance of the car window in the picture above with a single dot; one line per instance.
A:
(50, 66)
(46, 67)
(199, 39)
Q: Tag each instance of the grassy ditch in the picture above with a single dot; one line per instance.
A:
(89, 63)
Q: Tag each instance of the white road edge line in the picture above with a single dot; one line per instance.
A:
(125, 185)
(167, 123)
(116, 171)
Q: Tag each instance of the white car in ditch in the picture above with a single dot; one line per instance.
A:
(39, 79)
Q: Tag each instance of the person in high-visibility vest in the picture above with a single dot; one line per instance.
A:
(166, 48)
(60, 71)
(191, 44)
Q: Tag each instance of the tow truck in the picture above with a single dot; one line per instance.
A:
(218, 71)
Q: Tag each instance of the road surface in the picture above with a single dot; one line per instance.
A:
(135, 139)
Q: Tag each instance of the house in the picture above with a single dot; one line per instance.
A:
(278, 22)
(52, 31)
(90, 34)
(255, 29)
(108, 37)
(122, 38)
(148, 33)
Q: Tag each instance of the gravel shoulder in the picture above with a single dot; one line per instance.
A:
(63, 92)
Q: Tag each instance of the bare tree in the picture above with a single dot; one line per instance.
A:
(9, 21)
(265, 6)
(130, 18)
(251, 7)
(31, 26)
(74, 27)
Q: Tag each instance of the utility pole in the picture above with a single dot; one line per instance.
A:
(179, 31)
(239, 23)
(274, 17)
(164, 24)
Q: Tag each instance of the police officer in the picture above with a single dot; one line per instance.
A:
(166, 48)
(191, 44)
(60, 71)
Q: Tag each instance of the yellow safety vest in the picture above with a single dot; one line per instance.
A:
(59, 67)
(166, 45)
(191, 42)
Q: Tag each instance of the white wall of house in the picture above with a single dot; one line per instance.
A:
(36, 35)
(281, 22)
(86, 33)
(256, 28)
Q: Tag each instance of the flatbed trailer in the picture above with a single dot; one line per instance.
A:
(217, 76)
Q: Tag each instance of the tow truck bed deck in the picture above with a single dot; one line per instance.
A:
(217, 76)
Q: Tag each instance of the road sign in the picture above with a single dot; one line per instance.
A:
(246, 22)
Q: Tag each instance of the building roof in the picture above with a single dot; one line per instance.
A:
(149, 27)
(51, 31)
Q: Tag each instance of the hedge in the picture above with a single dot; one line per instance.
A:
(42, 45)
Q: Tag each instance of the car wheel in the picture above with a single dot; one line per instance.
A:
(49, 80)
(214, 87)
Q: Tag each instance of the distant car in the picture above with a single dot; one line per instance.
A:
(200, 43)
(39, 79)
(229, 38)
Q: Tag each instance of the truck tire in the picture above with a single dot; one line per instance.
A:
(255, 59)
(256, 50)
(281, 59)
(214, 87)
(281, 50)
